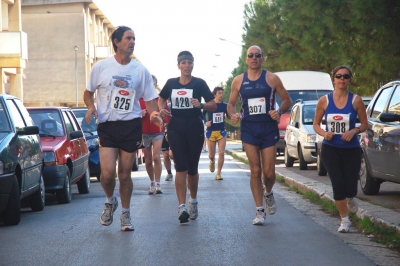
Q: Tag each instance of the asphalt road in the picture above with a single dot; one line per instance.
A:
(298, 234)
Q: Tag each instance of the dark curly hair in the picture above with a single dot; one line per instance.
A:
(117, 34)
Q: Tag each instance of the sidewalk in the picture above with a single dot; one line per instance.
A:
(304, 184)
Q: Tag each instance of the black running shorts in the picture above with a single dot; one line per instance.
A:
(124, 135)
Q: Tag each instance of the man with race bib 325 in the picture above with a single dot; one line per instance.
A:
(119, 82)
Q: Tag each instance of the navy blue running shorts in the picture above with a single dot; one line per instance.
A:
(262, 134)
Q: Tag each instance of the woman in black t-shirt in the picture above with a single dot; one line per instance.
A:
(185, 129)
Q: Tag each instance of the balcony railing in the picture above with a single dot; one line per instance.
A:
(102, 52)
(14, 44)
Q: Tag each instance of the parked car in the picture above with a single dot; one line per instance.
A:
(92, 139)
(380, 144)
(321, 170)
(21, 161)
(300, 135)
(305, 85)
(65, 152)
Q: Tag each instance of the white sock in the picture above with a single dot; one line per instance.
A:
(260, 208)
(152, 183)
(346, 219)
(126, 210)
(182, 206)
(193, 200)
(110, 199)
(268, 193)
(157, 183)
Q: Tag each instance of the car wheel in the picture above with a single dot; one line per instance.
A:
(288, 160)
(302, 162)
(98, 177)
(369, 185)
(12, 213)
(321, 170)
(84, 183)
(37, 199)
(135, 166)
(64, 195)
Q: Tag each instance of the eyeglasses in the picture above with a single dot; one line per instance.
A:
(256, 54)
(345, 76)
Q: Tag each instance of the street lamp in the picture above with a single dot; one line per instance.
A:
(76, 48)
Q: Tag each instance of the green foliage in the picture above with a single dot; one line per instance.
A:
(321, 34)
(381, 233)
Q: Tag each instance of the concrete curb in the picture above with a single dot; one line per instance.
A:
(375, 213)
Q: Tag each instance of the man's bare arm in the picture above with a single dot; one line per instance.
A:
(231, 107)
(88, 98)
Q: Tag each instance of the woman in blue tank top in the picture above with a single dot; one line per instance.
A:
(340, 151)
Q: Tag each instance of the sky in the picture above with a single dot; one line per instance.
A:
(163, 28)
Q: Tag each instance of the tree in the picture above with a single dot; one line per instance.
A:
(321, 34)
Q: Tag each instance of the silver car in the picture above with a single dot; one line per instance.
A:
(380, 144)
(300, 135)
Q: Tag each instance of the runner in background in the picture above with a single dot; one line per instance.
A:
(153, 136)
(215, 122)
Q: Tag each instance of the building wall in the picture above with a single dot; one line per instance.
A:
(50, 72)
(53, 32)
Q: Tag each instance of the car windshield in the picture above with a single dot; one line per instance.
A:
(304, 95)
(308, 114)
(80, 116)
(4, 125)
(48, 121)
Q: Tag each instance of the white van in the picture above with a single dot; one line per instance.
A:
(304, 85)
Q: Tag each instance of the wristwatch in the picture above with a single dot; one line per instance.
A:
(201, 105)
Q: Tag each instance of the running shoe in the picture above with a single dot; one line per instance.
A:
(152, 189)
(352, 205)
(169, 177)
(126, 223)
(212, 166)
(260, 217)
(270, 204)
(344, 227)
(158, 189)
(218, 177)
(106, 217)
(183, 215)
(193, 211)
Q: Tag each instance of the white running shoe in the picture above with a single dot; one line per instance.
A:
(193, 211)
(183, 215)
(344, 227)
(270, 204)
(106, 217)
(126, 223)
(152, 189)
(352, 205)
(169, 177)
(260, 217)
(158, 189)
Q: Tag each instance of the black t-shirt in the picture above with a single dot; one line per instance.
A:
(180, 95)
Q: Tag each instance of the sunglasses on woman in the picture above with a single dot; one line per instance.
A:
(257, 55)
(345, 76)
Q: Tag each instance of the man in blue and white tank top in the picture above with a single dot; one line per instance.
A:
(259, 125)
